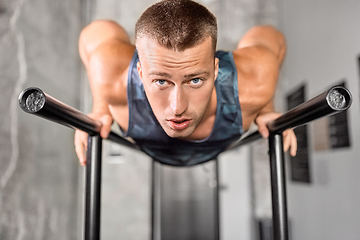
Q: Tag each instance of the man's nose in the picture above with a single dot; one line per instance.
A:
(178, 101)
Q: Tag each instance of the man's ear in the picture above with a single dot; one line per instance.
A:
(216, 67)
(139, 69)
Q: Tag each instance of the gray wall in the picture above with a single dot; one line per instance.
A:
(38, 168)
(323, 46)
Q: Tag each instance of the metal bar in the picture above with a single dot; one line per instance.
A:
(153, 200)
(248, 139)
(156, 200)
(335, 100)
(93, 189)
(278, 187)
(34, 101)
(217, 200)
(330, 102)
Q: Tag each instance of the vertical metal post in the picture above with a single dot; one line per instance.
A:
(93, 189)
(278, 187)
(156, 201)
(153, 212)
(217, 200)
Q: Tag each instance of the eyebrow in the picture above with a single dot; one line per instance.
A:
(161, 74)
(205, 73)
(164, 74)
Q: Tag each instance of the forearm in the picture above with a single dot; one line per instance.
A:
(269, 107)
(100, 104)
(97, 84)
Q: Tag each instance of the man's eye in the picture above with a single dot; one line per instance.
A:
(196, 82)
(161, 82)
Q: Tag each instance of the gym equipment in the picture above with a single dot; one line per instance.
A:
(35, 101)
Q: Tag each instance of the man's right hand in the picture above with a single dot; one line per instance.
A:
(80, 139)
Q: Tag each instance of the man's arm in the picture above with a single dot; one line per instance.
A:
(259, 56)
(106, 52)
(258, 59)
(270, 45)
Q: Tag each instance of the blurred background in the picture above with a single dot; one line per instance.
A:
(41, 182)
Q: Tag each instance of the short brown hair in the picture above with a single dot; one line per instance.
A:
(177, 24)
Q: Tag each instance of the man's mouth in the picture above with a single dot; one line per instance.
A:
(178, 124)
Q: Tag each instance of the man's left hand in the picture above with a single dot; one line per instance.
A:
(290, 141)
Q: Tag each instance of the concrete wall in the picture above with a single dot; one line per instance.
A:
(323, 48)
(38, 168)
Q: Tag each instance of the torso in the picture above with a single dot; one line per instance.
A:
(254, 93)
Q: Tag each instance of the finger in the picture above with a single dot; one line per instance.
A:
(285, 134)
(290, 142)
(264, 131)
(81, 146)
(287, 140)
(293, 145)
(106, 126)
(80, 152)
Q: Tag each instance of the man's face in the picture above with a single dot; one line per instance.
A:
(178, 85)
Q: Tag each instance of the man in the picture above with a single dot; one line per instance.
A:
(179, 99)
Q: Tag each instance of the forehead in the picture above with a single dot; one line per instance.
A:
(150, 50)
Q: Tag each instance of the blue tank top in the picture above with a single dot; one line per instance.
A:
(152, 139)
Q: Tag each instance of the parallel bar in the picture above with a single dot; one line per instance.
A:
(217, 200)
(93, 189)
(153, 200)
(335, 100)
(330, 102)
(248, 139)
(156, 201)
(34, 101)
(278, 187)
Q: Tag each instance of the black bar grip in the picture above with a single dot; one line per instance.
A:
(34, 101)
(335, 100)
